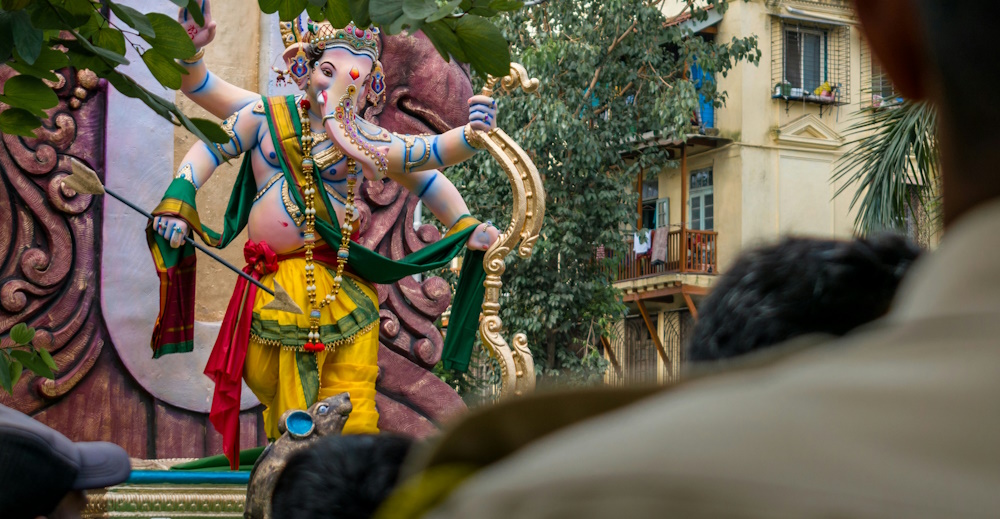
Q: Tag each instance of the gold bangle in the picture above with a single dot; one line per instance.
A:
(196, 58)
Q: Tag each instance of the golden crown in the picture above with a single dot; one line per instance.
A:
(324, 35)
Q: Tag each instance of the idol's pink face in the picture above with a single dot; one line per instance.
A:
(336, 70)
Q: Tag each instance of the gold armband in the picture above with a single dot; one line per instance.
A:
(472, 137)
(196, 58)
(187, 173)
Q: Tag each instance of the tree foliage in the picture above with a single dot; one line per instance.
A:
(457, 28)
(40, 37)
(613, 79)
(892, 157)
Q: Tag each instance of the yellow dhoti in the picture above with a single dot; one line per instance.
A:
(284, 377)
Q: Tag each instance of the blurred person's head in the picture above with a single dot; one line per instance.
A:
(943, 51)
(346, 477)
(798, 287)
(44, 474)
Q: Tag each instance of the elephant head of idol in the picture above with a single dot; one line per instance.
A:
(338, 69)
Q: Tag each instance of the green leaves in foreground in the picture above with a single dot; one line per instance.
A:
(459, 29)
(38, 38)
(14, 359)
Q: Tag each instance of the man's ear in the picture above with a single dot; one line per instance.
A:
(893, 30)
(298, 64)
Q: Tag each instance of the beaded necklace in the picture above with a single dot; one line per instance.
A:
(309, 195)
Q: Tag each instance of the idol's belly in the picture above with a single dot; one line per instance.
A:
(273, 220)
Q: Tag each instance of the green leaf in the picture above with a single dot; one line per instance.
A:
(14, 5)
(83, 59)
(22, 333)
(134, 19)
(5, 371)
(445, 10)
(419, 9)
(111, 39)
(6, 35)
(113, 57)
(171, 39)
(18, 121)
(506, 5)
(315, 12)
(47, 16)
(49, 60)
(484, 45)
(213, 131)
(405, 22)
(269, 6)
(30, 93)
(77, 7)
(47, 358)
(163, 68)
(318, 3)
(290, 9)
(386, 12)
(16, 368)
(443, 37)
(33, 362)
(338, 13)
(194, 9)
(360, 12)
(27, 39)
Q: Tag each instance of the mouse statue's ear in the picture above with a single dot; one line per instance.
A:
(296, 423)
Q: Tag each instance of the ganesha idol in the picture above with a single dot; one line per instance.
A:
(302, 158)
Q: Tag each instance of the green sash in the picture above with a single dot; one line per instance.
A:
(174, 331)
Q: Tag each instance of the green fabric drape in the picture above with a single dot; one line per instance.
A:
(179, 201)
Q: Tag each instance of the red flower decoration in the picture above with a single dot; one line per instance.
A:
(261, 257)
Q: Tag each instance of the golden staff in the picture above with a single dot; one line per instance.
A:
(517, 368)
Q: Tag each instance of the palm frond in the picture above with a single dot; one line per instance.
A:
(893, 154)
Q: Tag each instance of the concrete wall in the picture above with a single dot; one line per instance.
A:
(775, 179)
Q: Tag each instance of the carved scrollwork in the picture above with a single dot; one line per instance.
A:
(48, 241)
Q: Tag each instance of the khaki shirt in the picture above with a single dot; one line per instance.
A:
(901, 419)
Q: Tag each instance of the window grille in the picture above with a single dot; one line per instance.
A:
(810, 62)
(877, 91)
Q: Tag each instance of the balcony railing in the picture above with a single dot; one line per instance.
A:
(687, 252)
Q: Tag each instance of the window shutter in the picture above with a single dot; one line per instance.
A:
(663, 212)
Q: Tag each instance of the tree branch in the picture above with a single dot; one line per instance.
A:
(597, 73)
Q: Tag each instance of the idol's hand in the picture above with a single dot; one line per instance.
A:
(483, 237)
(482, 113)
(172, 229)
(201, 35)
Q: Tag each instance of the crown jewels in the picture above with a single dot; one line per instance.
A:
(324, 36)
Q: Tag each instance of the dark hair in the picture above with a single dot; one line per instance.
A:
(797, 287)
(346, 477)
(961, 43)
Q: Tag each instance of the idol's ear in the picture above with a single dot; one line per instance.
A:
(298, 64)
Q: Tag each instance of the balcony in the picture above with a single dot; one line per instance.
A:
(687, 251)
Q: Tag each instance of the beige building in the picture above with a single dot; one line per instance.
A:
(752, 171)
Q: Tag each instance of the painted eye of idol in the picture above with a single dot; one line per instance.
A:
(327, 69)
(323, 409)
